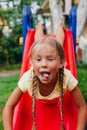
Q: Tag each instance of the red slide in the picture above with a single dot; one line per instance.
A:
(47, 113)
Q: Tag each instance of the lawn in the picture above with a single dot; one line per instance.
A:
(8, 83)
(82, 78)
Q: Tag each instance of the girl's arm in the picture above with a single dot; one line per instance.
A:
(82, 112)
(9, 108)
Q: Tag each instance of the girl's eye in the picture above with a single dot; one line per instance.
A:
(38, 59)
(50, 59)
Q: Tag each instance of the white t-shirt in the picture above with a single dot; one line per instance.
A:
(25, 84)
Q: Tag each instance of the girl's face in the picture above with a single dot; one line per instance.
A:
(46, 63)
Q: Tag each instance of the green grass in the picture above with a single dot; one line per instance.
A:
(8, 83)
(82, 78)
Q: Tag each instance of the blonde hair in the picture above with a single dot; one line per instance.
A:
(49, 41)
(53, 42)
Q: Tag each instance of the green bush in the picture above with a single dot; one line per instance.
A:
(10, 50)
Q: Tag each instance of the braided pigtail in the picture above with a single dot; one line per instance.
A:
(34, 86)
(61, 75)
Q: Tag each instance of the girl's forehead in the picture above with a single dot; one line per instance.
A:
(48, 46)
(44, 50)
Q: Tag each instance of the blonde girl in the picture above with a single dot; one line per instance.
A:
(46, 80)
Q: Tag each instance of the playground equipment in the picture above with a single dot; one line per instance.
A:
(72, 24)
(27, 23)
(47, 119)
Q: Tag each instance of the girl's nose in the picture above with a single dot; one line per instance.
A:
(44, 63)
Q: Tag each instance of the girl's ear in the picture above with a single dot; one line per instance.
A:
(62, 63)
(39, 31)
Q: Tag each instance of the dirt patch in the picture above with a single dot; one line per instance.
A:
(9, 72)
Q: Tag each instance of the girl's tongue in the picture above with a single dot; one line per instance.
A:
(45, 75)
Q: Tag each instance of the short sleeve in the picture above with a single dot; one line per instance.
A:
(25, 81)
(70, 82)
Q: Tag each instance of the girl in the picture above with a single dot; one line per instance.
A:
(47, 81)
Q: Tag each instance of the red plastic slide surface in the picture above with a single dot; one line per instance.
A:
(47, 114)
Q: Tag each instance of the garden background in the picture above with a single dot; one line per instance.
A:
(11, 49)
